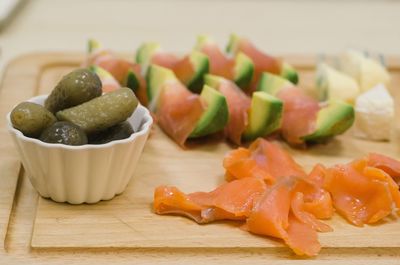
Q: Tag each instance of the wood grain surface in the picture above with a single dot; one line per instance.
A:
(124, 230)
(9, 173)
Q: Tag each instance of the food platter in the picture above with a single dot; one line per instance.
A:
(128, 222)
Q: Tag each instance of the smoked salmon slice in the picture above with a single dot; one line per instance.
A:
(108, 82)
(316, 200)
(220, 64)
(389, 165)
(362, 194)
(117, 67)
(302, 213)
(120, 69)
(109, 85)
(299, 114)
(274, 198)
(230, 201)
(170, 200)
(270, 215)
(238, 107)
(164, 59)
(302, 238)
(262, 61)
(189, 69)
(183, 69)
(273, 195)
(178, 111)
(236, 197)
(263, 159)
(273, 215)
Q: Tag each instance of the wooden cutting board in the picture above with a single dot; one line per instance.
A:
(127, 221)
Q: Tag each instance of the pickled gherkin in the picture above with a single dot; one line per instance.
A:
(63, 132)
(120, 131)
(75, 88)
(102, 112)
(31, 118)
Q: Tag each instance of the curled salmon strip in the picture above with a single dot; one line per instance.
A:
(361, 193)
(278, 215)
(230, 201)
(389, 165)
(268, 190)
(170, 200)
(317, 201)
(263, 159)
(302, 213)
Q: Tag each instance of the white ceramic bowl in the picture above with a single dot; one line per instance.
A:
(86, 173)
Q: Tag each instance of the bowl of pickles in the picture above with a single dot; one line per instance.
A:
(77, 144)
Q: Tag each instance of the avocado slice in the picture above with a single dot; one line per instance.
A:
(243, 70)
(272, 84)
(201, 41)
(213, 80)
(215, 117)
(93, 46)
(332, 120)
(201, 66)
(265, 115)
(101, 72)
(233, 44)
(144, 54)
(288, 72)
(156, 77)
(132, 81)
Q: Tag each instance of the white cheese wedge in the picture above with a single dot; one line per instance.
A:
(366, 71)
(332, 84)
(374, 114)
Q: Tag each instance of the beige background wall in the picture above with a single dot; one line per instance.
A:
(276, 26)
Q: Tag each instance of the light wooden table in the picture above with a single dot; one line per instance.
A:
(276, 26)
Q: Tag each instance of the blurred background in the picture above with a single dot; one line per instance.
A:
(282, 27)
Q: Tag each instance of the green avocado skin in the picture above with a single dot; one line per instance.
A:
(75, 88)
(132, 82)
(292, 76)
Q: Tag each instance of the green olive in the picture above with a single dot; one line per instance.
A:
(63, 132)
(75, 88)
(31, 118)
